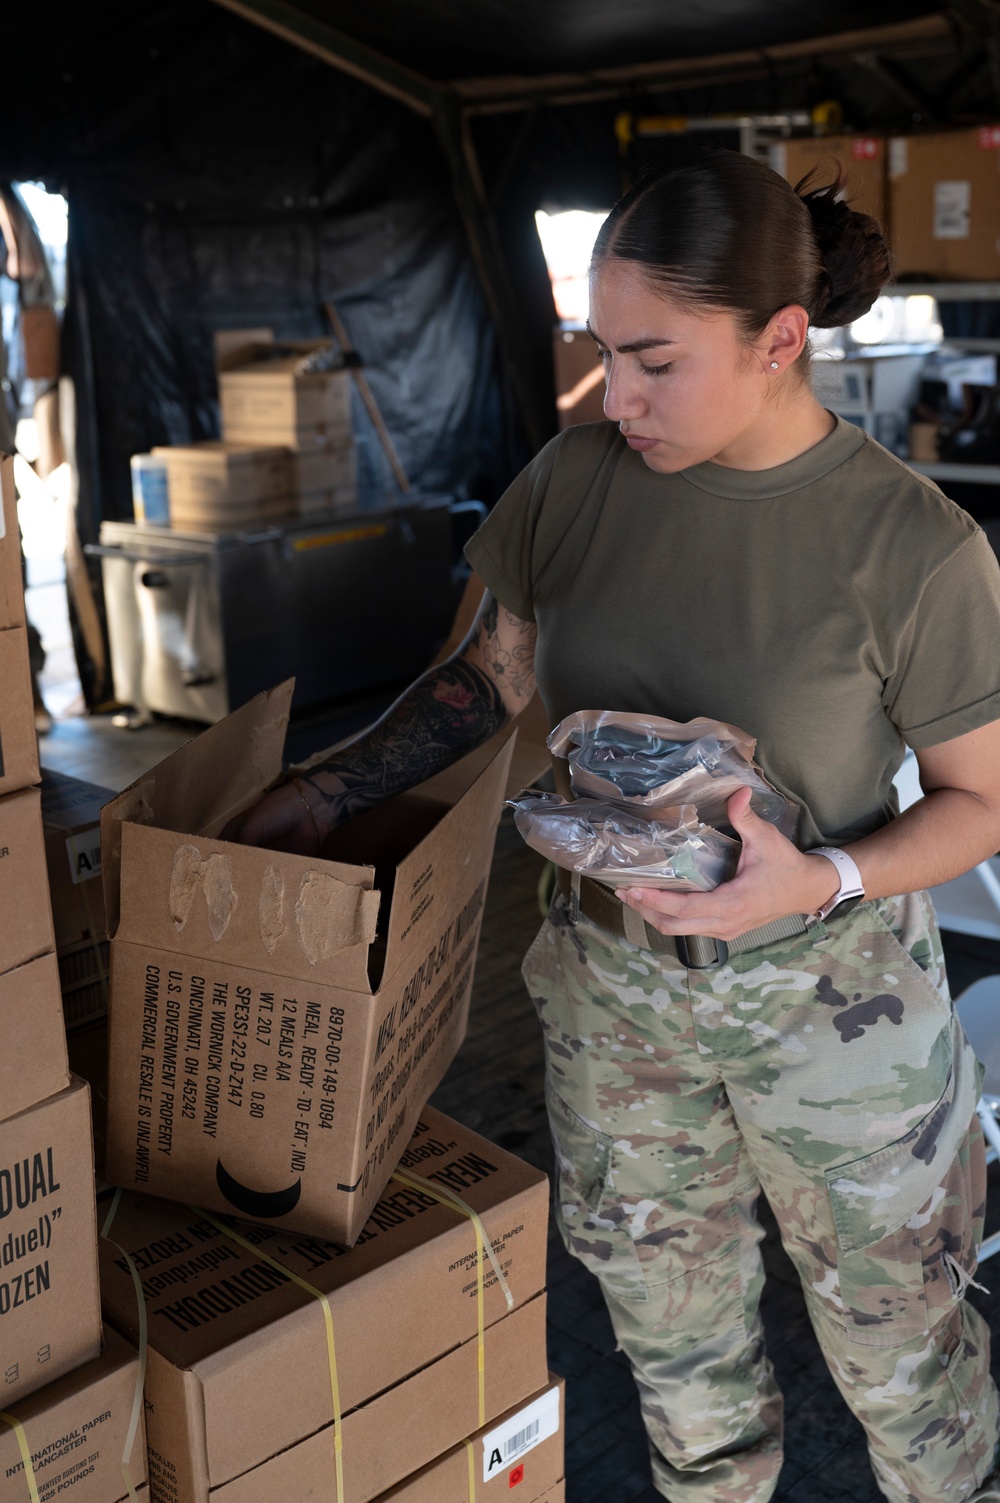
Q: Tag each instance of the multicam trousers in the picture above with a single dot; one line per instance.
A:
(830, 1071)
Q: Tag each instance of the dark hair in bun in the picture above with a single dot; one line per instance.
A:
(855, 257)
(721, 229)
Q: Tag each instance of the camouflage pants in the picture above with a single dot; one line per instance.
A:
(830, 1071)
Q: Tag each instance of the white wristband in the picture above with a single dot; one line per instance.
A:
(851, 889)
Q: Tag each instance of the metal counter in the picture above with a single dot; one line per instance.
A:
(200, 622)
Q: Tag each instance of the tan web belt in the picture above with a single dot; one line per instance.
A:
(699, 952)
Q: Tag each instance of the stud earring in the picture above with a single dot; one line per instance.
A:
(774, 365)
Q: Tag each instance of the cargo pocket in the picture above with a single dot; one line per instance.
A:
(592, 1222)
(908, 1220)
(916, 963)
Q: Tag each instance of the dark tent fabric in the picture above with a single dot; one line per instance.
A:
(253, 188)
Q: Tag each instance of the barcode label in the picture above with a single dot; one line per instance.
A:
(508, 1442)
(522, 1441)
(84, 852)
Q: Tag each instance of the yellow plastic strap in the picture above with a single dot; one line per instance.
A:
(258, 1252)
(133, 1424)
(22, 1441)
(472, 1470)
(456, 1203)
(449, 1197)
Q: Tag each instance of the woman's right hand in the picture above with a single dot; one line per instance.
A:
(285, 819)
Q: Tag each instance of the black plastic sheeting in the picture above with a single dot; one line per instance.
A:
(255, 184)
(218, 178)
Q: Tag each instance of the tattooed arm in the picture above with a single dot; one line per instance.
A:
(451, 709)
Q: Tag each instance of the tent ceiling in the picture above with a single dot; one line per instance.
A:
(460, 39)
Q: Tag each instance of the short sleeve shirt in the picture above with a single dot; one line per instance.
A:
(834, 607)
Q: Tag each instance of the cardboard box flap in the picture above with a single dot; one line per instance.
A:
(448, 850)
(284, 358)
(234, 346)
(202, 785)
(11, 585)
(287, 915)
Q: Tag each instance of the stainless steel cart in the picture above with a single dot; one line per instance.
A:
(200, 622)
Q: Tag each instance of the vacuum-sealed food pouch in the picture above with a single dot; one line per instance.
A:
(626, 848)
(647, 763)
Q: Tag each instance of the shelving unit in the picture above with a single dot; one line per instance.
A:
(948, 292)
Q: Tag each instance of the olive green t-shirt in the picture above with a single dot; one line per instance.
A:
(834, 607)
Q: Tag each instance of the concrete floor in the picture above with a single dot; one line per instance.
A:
(496, 1086)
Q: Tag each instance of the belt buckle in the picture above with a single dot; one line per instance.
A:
(684, 954)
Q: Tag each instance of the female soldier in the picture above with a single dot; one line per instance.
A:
(731, 549)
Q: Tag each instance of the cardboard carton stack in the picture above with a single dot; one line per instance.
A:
(280, 1365)
(287, 447)
(49, 1307)
(277, 1024)
(295, 394)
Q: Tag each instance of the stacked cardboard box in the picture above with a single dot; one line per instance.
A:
(278, 1022)
(252, 1330)
(287, 448)
(49, 1309)
(294, 394)
(84, 1434)
(71, 821)
(944, 204)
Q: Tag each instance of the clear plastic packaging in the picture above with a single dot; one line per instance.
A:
(646, 764)
(671, 849)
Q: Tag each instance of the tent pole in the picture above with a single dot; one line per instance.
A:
(339, 50)
(456, 141)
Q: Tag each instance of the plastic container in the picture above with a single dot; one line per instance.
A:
(150, 493)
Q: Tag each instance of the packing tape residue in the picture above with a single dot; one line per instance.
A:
(472, 1470)
(25, 1449)
(258, 1252)
(133, 1424)
(483, 1246)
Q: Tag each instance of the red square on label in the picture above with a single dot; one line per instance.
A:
(864, 148)
(516, 1476)
(989, 137)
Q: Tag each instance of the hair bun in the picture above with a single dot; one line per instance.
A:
(856, 260)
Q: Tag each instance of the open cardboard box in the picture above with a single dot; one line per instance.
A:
(238, 1382)
(277, 1022)
(77, 1431)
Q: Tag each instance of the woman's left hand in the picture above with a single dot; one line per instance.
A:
(773, 879)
